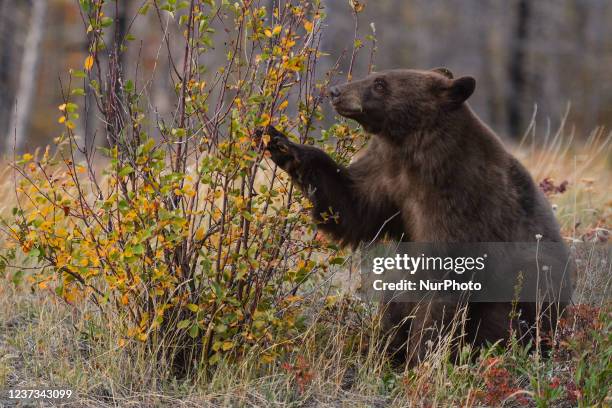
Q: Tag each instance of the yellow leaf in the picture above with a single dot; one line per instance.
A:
(267, 358)
(330, 301)
(88, 63)
(70, 296)
(125, 299)
(239, 202)
(227, 345)
(308, 26)
(265, 119)
(268, 33)
(356, 6)
(199, 234)
(27, 157)
(283, 105)
(277, 30)
(61, 119)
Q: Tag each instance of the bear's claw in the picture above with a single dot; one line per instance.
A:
(280, 147)
(271, 131)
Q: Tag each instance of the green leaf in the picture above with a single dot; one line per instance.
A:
(179, 132)
(143, 10)
(183, 324)
(106, 21)
(126, 170)
(259, 324)
(123, 206)
(85, 5)
(17, 277)
(78, 92)
(214, 359)
(218, 290)
(194, 331)
(336, 261)
(193, 307)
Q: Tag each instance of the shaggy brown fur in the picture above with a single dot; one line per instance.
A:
(433, 172)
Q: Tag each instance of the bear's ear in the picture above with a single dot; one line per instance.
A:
(444, 71)
(459, 90)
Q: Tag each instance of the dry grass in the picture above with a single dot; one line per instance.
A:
(45, 342)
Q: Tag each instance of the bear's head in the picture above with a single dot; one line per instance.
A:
(402, 101)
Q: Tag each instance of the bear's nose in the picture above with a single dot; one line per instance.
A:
(334, 92)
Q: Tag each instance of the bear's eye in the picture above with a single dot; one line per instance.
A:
(379, 85)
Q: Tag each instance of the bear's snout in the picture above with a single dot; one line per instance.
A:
(346, 100)
(334, 92)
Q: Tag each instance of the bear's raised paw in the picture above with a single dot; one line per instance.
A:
(283, 152)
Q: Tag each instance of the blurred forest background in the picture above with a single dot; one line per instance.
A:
(523, 54)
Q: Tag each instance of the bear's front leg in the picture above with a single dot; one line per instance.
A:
(326, 183)
(342, 206)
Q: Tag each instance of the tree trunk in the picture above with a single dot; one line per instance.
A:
(7, 58)
(517, 69)
(28, 75)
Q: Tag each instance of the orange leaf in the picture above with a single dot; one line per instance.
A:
(88, 63)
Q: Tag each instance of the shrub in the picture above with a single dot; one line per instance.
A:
(190, 236)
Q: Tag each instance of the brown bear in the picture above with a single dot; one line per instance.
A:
(432, 172)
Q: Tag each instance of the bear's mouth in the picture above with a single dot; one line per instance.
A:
(347, 111)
